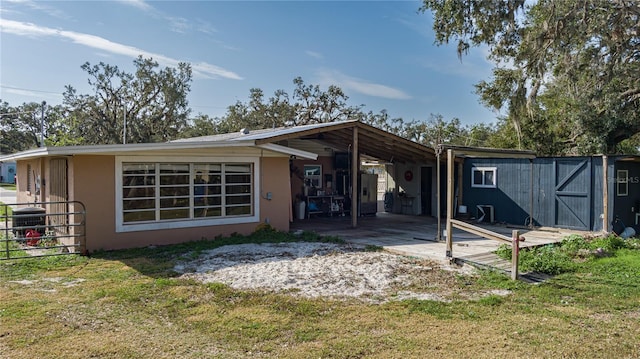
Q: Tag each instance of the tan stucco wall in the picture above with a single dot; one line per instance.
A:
(93, 179)
(275, 180)
(92, 182)
(23, 195)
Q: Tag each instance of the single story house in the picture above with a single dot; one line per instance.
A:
(162, 193)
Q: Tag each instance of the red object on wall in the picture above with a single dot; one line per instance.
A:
(408, 176)
(33, 237)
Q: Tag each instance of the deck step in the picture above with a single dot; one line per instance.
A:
(491, 261)
(487, 260)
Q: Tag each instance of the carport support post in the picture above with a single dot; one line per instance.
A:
(438, 193)
(450, 162)
(355, 168)
(605, 194)
(515, 249)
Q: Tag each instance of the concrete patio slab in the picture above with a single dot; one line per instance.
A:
(416, 236)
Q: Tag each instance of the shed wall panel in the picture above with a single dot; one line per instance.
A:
(543, 192)
(626, 206)
(510, 198)
(566, 192)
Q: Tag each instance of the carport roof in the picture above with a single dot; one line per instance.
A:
(372, 142)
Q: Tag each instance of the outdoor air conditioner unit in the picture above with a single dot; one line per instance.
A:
(485, 213)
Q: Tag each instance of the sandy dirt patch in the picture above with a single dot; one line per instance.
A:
(338, 271)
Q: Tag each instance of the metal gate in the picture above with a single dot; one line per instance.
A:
(572, 195)
(42, 229)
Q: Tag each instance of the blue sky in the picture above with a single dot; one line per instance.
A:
(381, 53)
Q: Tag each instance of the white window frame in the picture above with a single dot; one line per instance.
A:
(121, 226)
(484, 170)
(622, 183)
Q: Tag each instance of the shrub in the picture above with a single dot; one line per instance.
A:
(608, 244)
(562, 257)
(504, 251)
(264, 227)
(547, 259)
(572, 244)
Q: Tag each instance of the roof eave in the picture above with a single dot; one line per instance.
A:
(290, 151)
(464, 151)
(128, 148)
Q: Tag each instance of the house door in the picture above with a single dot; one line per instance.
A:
(426, 188)
(572, 193)
(58, 194)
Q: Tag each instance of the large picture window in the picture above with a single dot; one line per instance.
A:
(153, 193)
(483, 177)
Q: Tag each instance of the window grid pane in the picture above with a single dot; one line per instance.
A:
(154, 192)
(488, 178)
(477, 177)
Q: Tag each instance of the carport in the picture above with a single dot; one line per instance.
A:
(402, 159)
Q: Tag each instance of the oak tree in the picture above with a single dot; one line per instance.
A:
(149, 105)
(566, 71)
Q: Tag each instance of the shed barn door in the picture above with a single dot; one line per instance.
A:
(573, 193)
(58, 195)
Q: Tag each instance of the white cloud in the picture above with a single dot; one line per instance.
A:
(201, 69)
(176, 24)
(205, 27)
(179, 24)
(328, 77)
(30, 93)
(40, 6)
(314, 54)
(421, 26)
(138, 4)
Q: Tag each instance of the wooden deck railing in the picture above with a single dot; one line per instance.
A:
(485, 233)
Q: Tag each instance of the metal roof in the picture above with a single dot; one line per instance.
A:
(464, 151)
(260, 134)
(117, 149)
(372, 142)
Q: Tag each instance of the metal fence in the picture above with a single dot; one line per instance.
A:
(42, 229)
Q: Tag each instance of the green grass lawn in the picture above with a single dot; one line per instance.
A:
(10, 186)
(130, 304)
(5, 211)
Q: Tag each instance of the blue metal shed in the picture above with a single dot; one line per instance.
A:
(564, 192)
